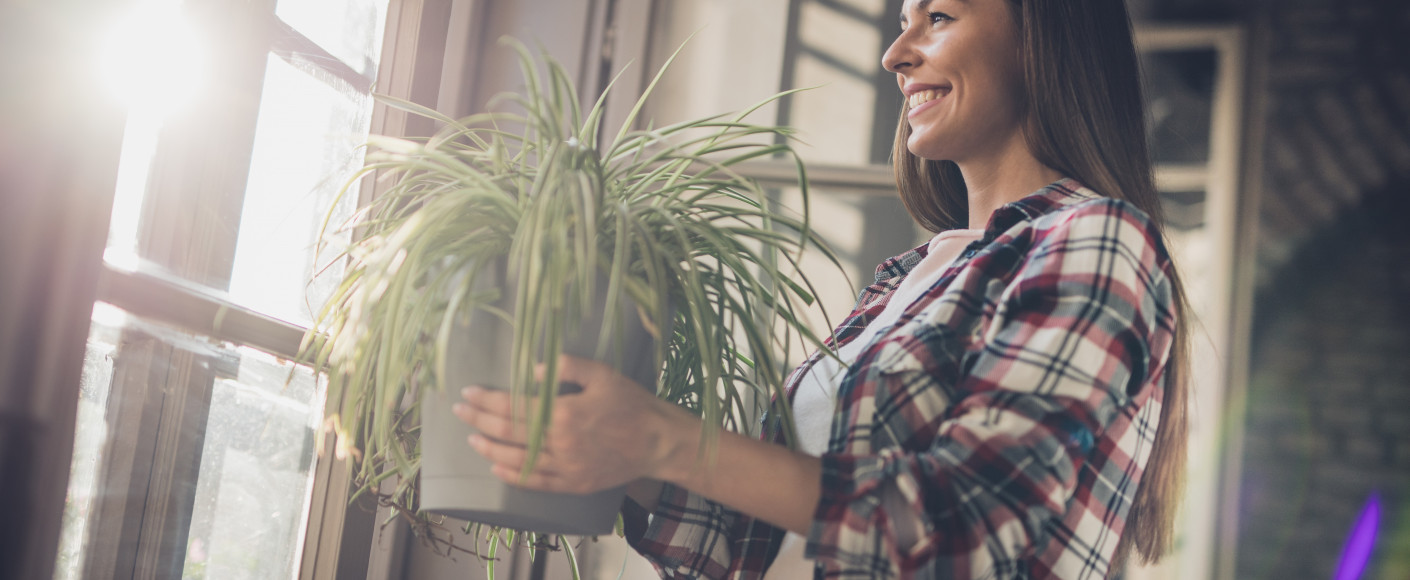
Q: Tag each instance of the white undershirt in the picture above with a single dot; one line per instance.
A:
(814, 403)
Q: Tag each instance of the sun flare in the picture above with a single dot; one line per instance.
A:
(153, 59)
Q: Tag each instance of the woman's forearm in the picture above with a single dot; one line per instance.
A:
(766, 481)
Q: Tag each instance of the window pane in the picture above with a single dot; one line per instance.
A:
(258, 244)
(307, 144)
(1184, 210)
(89, 439)
(348, 29)
(139, 143)
(252, 461)
(742, 51)
(256, 472)
(838, 50)
(308, 139)
(1180, 103)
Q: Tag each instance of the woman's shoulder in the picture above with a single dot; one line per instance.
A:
(1097, 218)
(1068, 205)
(1083, 205)
(1099, 235)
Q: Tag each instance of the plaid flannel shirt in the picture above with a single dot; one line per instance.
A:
(998, 430)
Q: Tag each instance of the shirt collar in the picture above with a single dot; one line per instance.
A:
(1051, 198)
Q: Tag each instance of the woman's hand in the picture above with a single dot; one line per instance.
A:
(610, 433)
(614, 432)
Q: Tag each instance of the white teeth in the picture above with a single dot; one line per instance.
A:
(923, 97)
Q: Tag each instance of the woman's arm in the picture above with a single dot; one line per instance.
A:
(739, 467)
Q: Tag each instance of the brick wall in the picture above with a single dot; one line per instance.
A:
(1329, 399)
(1337, 99)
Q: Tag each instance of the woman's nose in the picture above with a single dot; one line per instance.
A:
(900, 56)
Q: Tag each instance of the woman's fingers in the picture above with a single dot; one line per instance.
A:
(491, 411)
(510, 456)
(488, 400)
(605, 435)
(501, 452)
(497, 426)
(540, 480)
(508, 465)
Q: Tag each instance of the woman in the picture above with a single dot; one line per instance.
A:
(1011, 401)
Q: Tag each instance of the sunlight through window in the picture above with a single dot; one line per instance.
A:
(152, 59)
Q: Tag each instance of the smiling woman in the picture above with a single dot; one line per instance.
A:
(1082, 116)
(1006, 400)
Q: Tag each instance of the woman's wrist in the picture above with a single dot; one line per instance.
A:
(731, 471)
(677, 441)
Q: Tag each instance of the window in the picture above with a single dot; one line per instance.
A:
(1194, 80)
(194, 453)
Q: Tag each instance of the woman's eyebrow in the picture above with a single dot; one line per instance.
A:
(920, 7)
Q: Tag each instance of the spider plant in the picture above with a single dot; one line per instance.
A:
(659, 214)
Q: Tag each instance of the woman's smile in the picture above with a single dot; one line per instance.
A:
(920, 99)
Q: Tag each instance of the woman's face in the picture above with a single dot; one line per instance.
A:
(957, 62)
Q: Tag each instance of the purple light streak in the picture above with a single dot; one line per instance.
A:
(1361, 541)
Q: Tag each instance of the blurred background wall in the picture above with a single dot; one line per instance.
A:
(1327, 424)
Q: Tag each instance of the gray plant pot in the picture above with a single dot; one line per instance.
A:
(456, 481)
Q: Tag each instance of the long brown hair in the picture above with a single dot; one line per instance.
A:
(1086, 120)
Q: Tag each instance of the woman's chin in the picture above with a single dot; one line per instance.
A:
(925, 149)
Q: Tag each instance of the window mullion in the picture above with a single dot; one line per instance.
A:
(180, 441)
(113, 540)
(306, 55)
(199, 172)
(339, 536)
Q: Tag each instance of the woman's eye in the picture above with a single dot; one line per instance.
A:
(938, 17)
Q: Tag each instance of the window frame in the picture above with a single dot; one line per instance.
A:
(159, 459)
(1207, 528)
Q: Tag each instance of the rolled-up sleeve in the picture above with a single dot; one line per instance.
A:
(1077, 340)
(687, 536)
